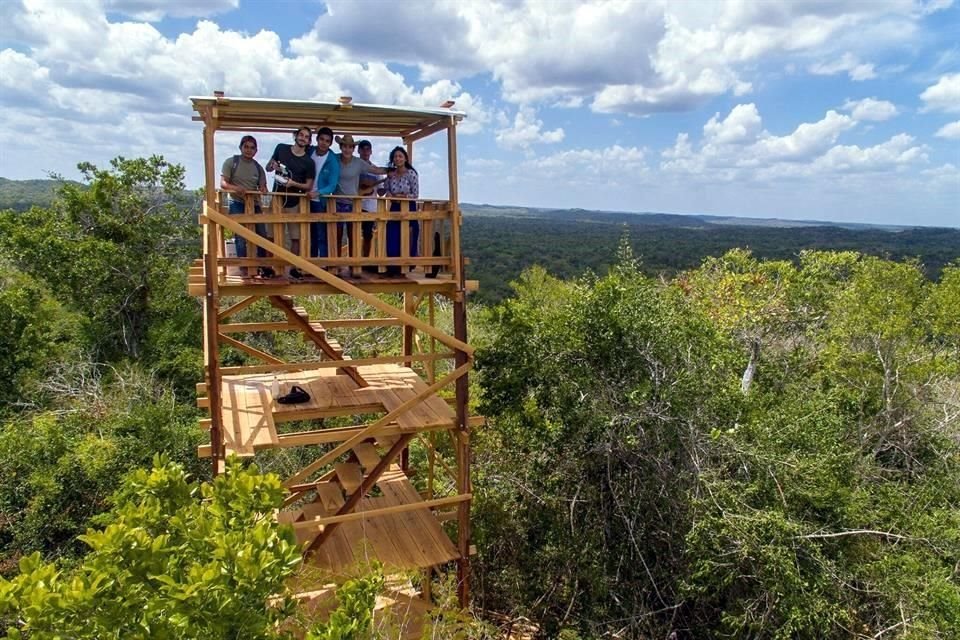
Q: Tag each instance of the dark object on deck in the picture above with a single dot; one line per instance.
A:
(296, 396)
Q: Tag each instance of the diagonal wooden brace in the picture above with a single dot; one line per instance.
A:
(375, 427)
(354, 499)
(287, 307)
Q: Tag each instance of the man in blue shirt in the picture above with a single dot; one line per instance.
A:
(328, 175)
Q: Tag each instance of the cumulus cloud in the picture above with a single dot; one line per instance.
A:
(618, 56)
(527, 130)
(743, 124)
(944, 95)
(738, 148)
(896, 153)
(608, 166)
(806, 141)
(847, 63)
(870, 109)
(949, 131)
(86, 61)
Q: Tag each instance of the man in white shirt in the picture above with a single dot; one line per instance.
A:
(368, 185)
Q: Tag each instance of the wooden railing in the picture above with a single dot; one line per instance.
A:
(409, 236)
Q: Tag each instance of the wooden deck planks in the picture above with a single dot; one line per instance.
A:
(250, 412)
(248, 422)
(407, 540)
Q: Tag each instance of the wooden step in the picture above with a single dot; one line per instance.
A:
(331, 496)
(367, 455)
(386, 441)
(314, 510)
(349, 475)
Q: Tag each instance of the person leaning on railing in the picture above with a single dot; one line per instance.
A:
(239, 174)
(402, 182)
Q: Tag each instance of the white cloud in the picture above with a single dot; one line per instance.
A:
(944, 95)
(950, 131)
(897, 152)
(743, 124)
(737, 149)
(807, 141)
(527, 130)
(858, 71)
(870, 109)
(596, 166)
(618, 56)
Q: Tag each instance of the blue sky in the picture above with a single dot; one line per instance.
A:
(828, 110)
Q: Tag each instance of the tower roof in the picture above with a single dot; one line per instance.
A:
(264, 114)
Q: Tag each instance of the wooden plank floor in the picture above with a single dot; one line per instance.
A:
(401, 541)
(250, 413)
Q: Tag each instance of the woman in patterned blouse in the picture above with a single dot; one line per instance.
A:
(402, 182)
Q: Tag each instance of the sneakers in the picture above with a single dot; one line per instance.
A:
(266, 273)
(296, 274)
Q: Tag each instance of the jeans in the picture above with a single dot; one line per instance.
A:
(393, 233)
(237, 208)
(318, 230)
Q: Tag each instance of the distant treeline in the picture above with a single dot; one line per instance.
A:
(500, 248)
(20, 195)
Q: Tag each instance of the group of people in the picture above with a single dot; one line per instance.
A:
(302, 168)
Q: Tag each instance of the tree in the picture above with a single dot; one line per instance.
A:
(112, 249)
(625, 486)
(36, 332)
(598, 393)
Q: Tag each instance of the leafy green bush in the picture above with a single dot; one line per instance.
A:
(60, 465)
(166, 564)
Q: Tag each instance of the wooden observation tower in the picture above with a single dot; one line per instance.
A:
(361, 487)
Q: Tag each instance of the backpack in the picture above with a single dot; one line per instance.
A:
(261, 176)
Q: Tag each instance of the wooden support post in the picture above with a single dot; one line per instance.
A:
(463, 444)
(409, 307)
(211, 301)
(455, 214)
(432, 317)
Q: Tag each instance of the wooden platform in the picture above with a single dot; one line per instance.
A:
(233, 285)
(251, 413)
(412, 539)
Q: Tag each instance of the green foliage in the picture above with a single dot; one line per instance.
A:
(60, 465)
(112, 249)
(166, 565)
(625, 487)
(598, 390)
(20, 195)
(568, 243)
(353, 617)
(36, 332)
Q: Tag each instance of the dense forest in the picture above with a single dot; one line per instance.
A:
(709, 432)
(567, 243)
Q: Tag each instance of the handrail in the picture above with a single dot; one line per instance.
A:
(415, 238)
